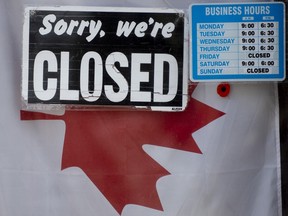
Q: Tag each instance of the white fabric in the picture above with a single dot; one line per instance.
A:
(237, 174)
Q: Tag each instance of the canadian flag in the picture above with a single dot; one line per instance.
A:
(219, 157)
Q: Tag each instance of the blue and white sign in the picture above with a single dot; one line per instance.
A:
(237, 42)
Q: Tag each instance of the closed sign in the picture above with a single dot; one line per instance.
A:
(103, 57)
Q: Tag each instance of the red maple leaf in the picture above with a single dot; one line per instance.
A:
(107, 146)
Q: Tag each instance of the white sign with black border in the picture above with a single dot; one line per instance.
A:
(86, 57)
